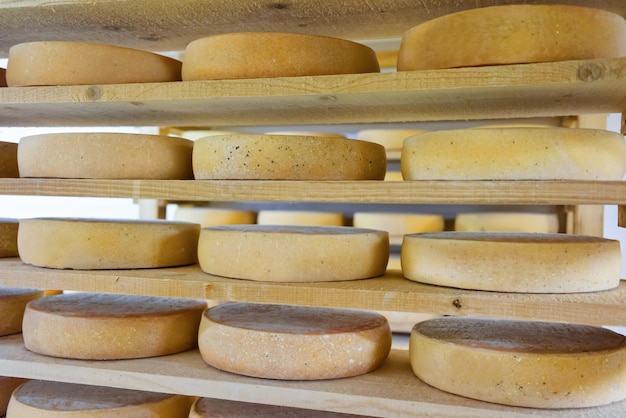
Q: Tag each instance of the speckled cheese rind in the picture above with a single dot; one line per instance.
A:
(293, 253)
(293, 343)
(208, 216)
(515, 154)
(105, 155)
(219, 408)
(391, 139)
(8, 237)
(287, 157)
(46, 399)
(8, 160)
(399, 224)
(228, 56)
(297, 217)
(102, 244)
(80, 63)
(93, 326)
(12, 305)
(512, 262)
(547, 223)
(7, 386)
(513, 34)
(529, 364)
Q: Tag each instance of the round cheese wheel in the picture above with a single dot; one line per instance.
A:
(399, 224)
(12, 305)
(515, 154)
(3, 77)
(293, 342)
(306, 133)
(512, 262)
(44, 399)
(293, 217)
(228, 56)
(105, 155)
(8, 160)
(207, 216)
(218, 408)
(513, 34)
(91, 326)
(287, 157)
(391, 139)
(72, 63)
(547, 223)
(293, 253)
(530, 364)
(82, 243)
(7, 386)
(8, 237)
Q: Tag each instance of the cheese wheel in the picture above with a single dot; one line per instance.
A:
(72, 63)
(12, 305)
(273, 54)
(82, 243)
(218, 408)
(105, 155)
(391, 139)
(512, 262)
(306, 133)
(399, 224)
(91, 326)
(7, 386)
(3, 77)
(515, 154)
(507, 222)
(8, 237)
(293, 253)
(44, 399)
(530, 364)
(513, 34)
(8, 160)
(298, 217)
(287, 157)
(207, 216)
(293, 342)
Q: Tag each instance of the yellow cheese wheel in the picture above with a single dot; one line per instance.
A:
(83, 243)
(293, 253)
(306, 133)
(293, 342)
(91, 326)
(218, 408)
(507, 222)
(287, 157)
(105, 155)
(8, 160)
(71, 63)
(399, 224)
(7, 386)
(12, 305)
(512, 262)
(515, 154)
(8, 237)
(513, 34)
(45, 399)
(530, 364)
(208, 216)
(391, 139)
(273, 54)
(300, 217)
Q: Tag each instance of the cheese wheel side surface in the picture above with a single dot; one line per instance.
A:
(547, 223)
(207, 216)
(293, 217)
(7, 386)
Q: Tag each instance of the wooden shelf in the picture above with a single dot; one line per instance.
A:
(508, 91)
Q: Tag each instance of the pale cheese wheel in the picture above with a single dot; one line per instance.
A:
(105, 155)
(274, 54)
(7, 386)
(515, 154)
(547, 223)
(3, 77)
(512, 262)
(293, 253)
(91, 326)
(287, 157)
(218, 408)
(293, 342)
(46, 399)
(300, 217)
(306, 133)
(8, 237)
(530, 364)
(8, 160)
(94, 244)
(208, 216)
(13, 302)
(399, 224)
(391, 139)
(73, 63)
(513, 34)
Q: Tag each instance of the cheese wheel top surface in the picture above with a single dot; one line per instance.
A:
(11, 292)
(8, 160)
(512, 237)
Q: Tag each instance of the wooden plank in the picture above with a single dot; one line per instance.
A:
(621, 216)
(508, 91)
(586, 220)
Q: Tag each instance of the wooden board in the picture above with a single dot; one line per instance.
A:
(508, 91)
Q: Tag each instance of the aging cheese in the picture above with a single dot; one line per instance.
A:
(293, 343)
(513, 34)
(515, 154)
(293, 253)
(391, 139)
(287, 157)
(218, 408)
(507, 222)
(45, 399)
(399, 224)
(8, 237)
(83, 243)
(7, 386)
(273, 54)
(72, 63)
(512, 262)
(529, 364)
(12, 305)
(8, 160)
(92, 326)
(105, 155)
(300, 217)
(208, 216)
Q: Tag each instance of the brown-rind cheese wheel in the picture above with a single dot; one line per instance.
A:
(293, 253)
(105, 155)
(521, 363)
(8, 160)
(512, 262)
(74, 63)
(91, 326)
(274, 54)
(513, 34)
(96, 244)
(46, 399)
(13, 302)
(218, 408)
(293, 342)
(8, 237)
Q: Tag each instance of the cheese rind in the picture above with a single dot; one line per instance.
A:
(219, 408)
(12, 305)
(512, 262)
(293, 253)
(8, 160)
(399, 224)
(513, 34)
(293, 343)
(547, 223)
(8, 237)
(298, 217)
(7, 386)
(208, 216)
(529, 364)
